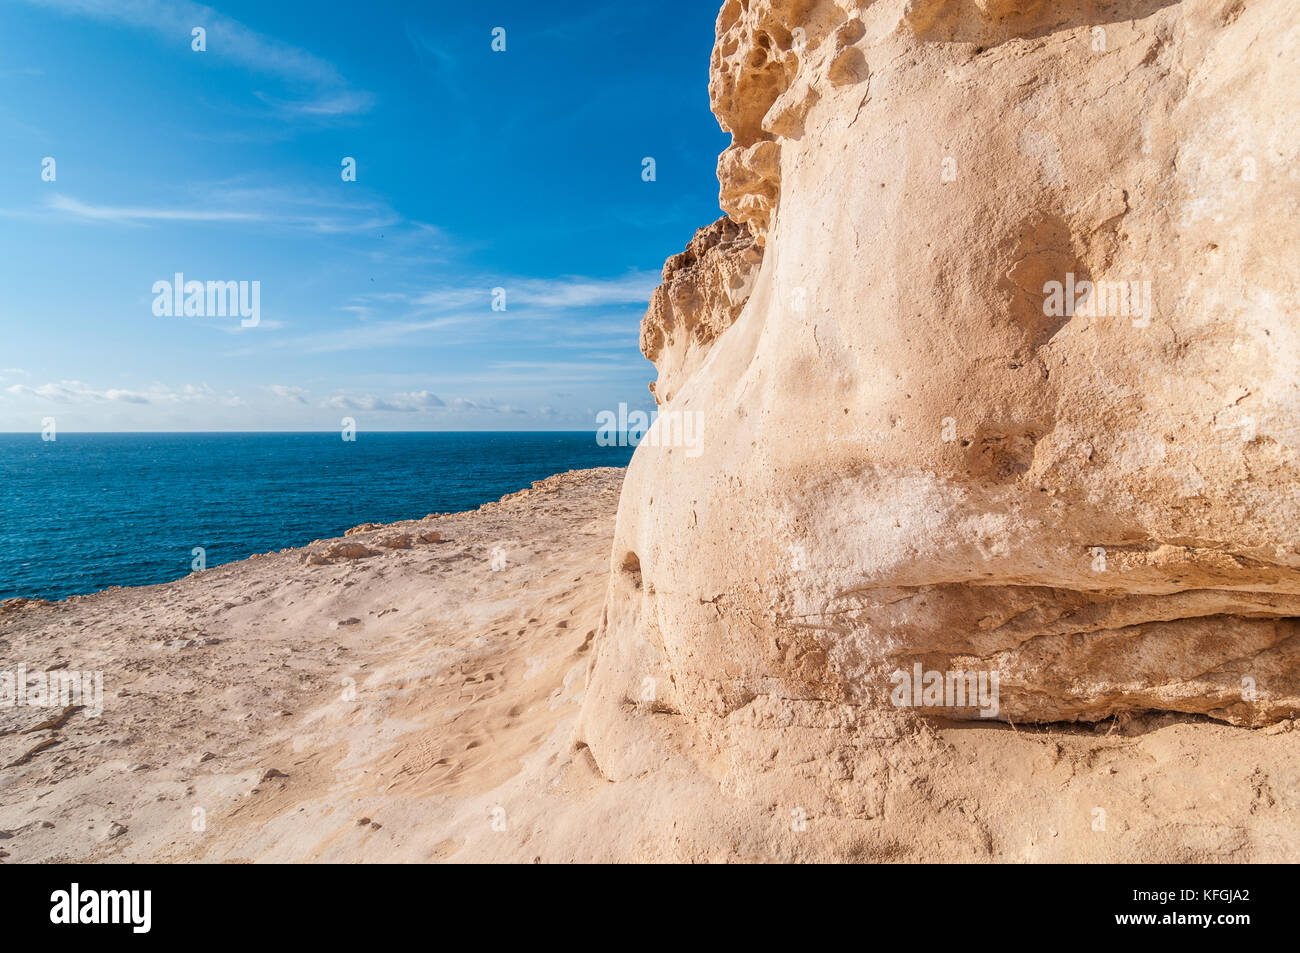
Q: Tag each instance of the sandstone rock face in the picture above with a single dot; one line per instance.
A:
(702, 293)
(1016, 386)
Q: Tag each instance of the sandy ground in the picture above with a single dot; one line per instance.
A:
(396, 697)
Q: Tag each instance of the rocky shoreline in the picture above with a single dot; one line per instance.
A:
(416, 704)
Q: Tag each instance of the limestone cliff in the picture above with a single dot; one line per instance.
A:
(702, 293)
(1015, 388)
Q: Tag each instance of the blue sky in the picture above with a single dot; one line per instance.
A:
(475, 169)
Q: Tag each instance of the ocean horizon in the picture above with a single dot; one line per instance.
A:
(91, 510)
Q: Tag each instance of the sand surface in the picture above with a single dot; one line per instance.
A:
(389, 697)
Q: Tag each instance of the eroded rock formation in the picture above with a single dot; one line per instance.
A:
(926, 441)
(702, 293)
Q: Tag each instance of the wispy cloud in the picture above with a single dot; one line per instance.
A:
(399, 403)
(423, 400)
(284, 210)
(437, 60)
(118, 213)
(550, 294)
(340, 104)
(295, 395)
(534, 294)
(78, 392)
(367, 402)
(542, 311)
(320, 89)
(364, 336)
(563, 371)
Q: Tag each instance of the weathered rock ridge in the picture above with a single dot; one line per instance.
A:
(702, 293)
(918, 448)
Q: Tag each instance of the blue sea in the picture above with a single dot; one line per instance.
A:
(88, 511)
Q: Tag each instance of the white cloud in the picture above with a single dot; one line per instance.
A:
(414, 401)
(111, 213)
(367, 402)
(78, 392)
(547, 294)
(341, 104)
(540, 307)
(339, 219)
(229, 40)
(295, 394)
(420, 399)
(572, 292)
(489, 406)
(360, 337)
